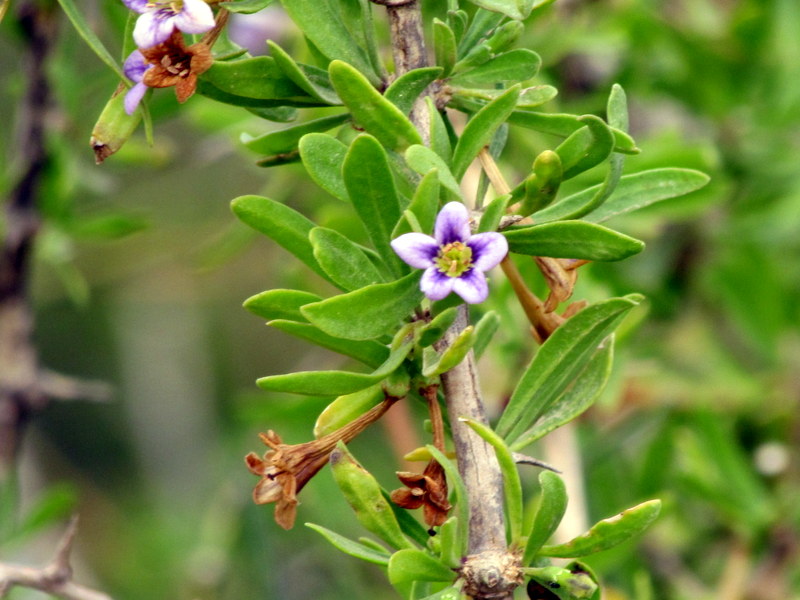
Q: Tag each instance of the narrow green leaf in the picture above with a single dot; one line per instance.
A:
(371, 187)
(287, 227)
(471, 99)
(312, 80)
(509, 8)
(587, 147)
(512, 484)
(371, 110)
(444, 46)
(351, 547)
(286, 140)
(405, 90)
(363, 494)
(480, 129)
(484, 331)
(460, 498)
(323, 157)
(75, 16)
(416, 565)
(452, 356)
(425, 203)
(564, 125)
(579, 396)
(514, 66)
(370, 353)
(608, 532)
(346, 409)
(369, 312)
(433, 331)
(572, 239)
(258, 78)
(481, 26)
(440, 138)
(552, 506)
(344, 261)
(321, 22)
(422, 159)
(557, 363)
(450, 550)
(494, 211)
(280, 304)
(246, 7)
(632, 193)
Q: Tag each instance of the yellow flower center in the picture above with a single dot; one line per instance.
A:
(454, 259)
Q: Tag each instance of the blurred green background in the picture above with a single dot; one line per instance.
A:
(141, 269)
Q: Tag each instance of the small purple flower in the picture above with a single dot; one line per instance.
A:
(135, 67)
(159, 18)
(454, 260)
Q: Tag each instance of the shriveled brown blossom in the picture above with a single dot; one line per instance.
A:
(178, 65)
(427, 490)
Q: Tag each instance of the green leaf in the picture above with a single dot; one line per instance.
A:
(322, 24)
(460, 497)
(514, 66)
(587, 147)
(452, 356)
(440, 138)
(512, 484)
(368, 352)
(282, 224)
(344, 261)
(371, 110)
(541, 187)
(323, 157)
(480, 129)
(363, 494)
(346, 409)
(576, 398)
(572, 239)
(351, 547)
(280, 304)
(495, 210)
(405, 90)
(552, 506)
(246, 7)
(481, 26)
(422, 159)
(75, 16)
(286, 140)
(257, 78)
(608, 532)
(564, 125)
(564, 584)
(367, 313)
(557, 363)
(513, 9)
(416, 565)
(371, 187)
(333, 383)
(425, 203)
(444, 46)
(452, 592)
(433, 331)
(450, 550)
(484, 331)
(471, 100)
(312, 80)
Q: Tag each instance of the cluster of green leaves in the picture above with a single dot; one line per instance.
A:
(395, 183)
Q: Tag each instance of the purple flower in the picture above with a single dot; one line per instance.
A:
(454, 260)
(159, 18)
(135, 67)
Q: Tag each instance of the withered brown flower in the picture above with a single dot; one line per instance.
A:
(175, 64)
(285, 468)
(428, 490)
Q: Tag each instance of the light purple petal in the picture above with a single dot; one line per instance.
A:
(416, 249)
(196, 17)
(471, 286)
(435, 284)
(140, 6)
(133, 97)
(153, 27)
(135, 66)
(488, 249)
(452, 224)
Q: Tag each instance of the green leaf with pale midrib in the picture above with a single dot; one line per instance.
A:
(572, 239)
(351, 547)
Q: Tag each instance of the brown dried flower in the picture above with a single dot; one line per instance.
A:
(427, 490)
(175, 64)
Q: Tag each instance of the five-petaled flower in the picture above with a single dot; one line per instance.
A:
(454, 259)
(159, 18)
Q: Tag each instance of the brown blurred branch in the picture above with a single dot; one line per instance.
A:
(55, 578)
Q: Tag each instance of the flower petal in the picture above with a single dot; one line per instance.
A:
(133, 97)
(488, 249)
(135, 66)
(196, 17)
(452, 224)
(153, 27)
(471, 286)
(416, 249)
(435, 284)
(140, 6)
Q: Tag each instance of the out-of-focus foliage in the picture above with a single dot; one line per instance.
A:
(703, 407)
